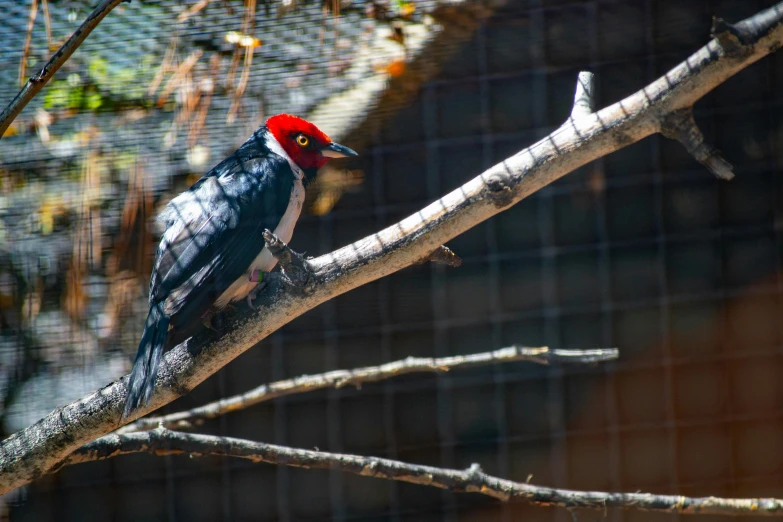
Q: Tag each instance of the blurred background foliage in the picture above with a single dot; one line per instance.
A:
(160, 92)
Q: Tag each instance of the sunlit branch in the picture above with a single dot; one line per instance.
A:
(356, 377)
(162, 441)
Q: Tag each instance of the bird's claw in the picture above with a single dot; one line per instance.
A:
(295, 267)
(255, 276)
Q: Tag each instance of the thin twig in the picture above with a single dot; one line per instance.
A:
(38, 80)
(195, 8)
(27, 41)
(356, 377)
(239, 91)
(47, 25)
(206, 100)
(248, 26)
(165, 66)
(162, 441)
(181, 71)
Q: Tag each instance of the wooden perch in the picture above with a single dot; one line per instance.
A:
(162, 441)
(183, 420)
(33, 451)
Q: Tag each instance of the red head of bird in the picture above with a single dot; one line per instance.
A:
(307, 145)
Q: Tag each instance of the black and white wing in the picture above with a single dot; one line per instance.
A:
(214, 231)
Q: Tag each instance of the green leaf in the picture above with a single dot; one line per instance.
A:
(94, 101)
(75, 98)
(98, 70)
(56, 95)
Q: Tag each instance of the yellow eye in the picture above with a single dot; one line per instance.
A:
(302, 140)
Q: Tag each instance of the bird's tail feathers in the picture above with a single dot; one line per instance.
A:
(145, 368)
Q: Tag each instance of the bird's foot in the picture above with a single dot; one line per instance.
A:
(255, 276)
(296, 268)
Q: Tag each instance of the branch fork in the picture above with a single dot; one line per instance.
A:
(731, 37)
(680, 125)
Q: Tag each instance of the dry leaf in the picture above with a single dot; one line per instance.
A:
(242, 40)
(394, 68)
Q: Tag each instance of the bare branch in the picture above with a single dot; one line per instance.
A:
(161, 441)
(339, 378)
(179, 75)
(681, 126)
(47, 25)
(193, 9)
(38, 80)
(34, 450)
(584, 102)
(27, 41)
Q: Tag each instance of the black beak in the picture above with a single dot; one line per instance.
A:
(335, 150)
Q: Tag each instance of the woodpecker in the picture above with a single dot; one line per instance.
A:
(212, 249)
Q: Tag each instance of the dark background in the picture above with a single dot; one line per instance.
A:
(644, 250)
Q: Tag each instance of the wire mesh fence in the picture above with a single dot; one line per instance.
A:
(643, 250)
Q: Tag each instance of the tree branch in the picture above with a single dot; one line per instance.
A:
(183, 420)
(681, 126)
(162, 441)
(32, 451)
(38, 80)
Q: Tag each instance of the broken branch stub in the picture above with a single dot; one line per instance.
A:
(681, 126)
(162, 441)
(584, 97)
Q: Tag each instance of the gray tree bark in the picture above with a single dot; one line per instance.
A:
(162, 441)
